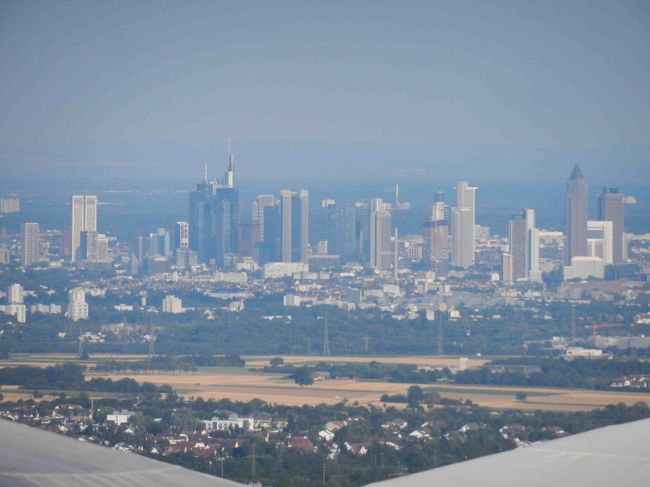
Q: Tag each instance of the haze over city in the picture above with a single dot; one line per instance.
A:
(499, 90)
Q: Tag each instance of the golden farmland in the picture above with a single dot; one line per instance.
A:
(242, 384)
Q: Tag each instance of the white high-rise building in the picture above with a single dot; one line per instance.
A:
(464, 225)
(182, 235)
(15, 306)
(600, 240)
(83, 219)
(172, 304)
(534, 272)
(15, 294)
(523, 253)
(30, 233)
(77, 306)
(381, 253)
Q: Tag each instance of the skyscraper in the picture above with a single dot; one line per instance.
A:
(534, 272)
(160, 243)
(341, 231)
(182, 235)
(83, 219)
(261, 202)
(463, 225)
(271, 245)
(214, 216)
(381, 254)
(30, 238)
(576, 216)
(294, 225)
(523, 256)
(93, 247)
(600, 241)
(611, 207)
(436, 238)
(518, 247)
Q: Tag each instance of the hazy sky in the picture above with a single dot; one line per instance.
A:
(312, 89)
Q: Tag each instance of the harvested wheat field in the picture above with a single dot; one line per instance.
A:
(420, 361)
(243, 385)
(273, 388)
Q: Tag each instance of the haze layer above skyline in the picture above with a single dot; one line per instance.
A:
(307, 90)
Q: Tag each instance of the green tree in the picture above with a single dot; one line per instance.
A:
(302, 376)
(277, 361)
(521, 396)
(414, 396)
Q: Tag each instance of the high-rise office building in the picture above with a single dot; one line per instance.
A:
(160, 243)
(534, 271)
(436, 238)
(506, 264)
(600, 241)
(362, 230)
(214, 217)
(30, 233)
(462, 254)
(576, 216)
(261, 202)
(341, 238)
(181, 235)
(518, 247)
(249, 240)
(93, 247)
(381, 252)
(77, 306)
(83, 219)
(294, 225)
(611, 207)
(271, 244)
(523, 255)
(463, 225)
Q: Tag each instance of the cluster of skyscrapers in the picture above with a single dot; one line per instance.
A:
(592, 244)
(278, 232)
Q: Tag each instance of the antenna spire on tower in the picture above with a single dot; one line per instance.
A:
(205, 173)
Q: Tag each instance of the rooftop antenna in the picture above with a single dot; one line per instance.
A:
(231, 159)
(205, 173)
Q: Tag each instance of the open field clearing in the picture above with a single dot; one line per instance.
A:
(243, 384)
(420, 361)
(551, 399)
(13, 393)
(256, 361)
(275, 388)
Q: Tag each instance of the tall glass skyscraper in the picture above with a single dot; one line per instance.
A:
(611, 207)
(576, 216)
